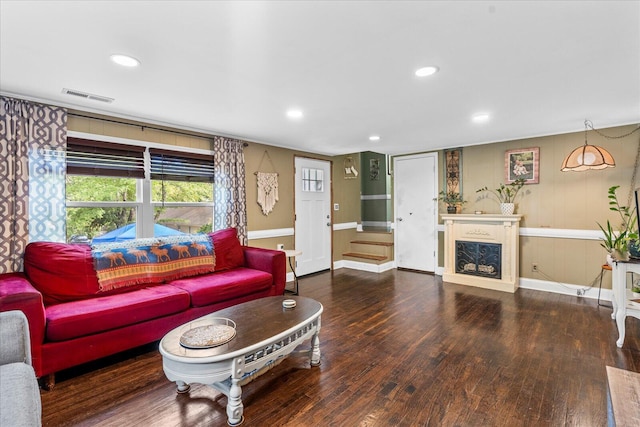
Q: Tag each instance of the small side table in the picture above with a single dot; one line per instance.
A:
(292, 253)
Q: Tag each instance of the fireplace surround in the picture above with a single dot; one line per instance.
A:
(482, 250)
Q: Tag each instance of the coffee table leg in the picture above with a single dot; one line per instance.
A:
(182, 387)
(235, 408)
(315, 350)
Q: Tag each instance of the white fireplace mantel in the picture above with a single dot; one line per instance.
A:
(485, 228)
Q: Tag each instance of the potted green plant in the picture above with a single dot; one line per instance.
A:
(452, 199)
(506, 195)
(618, 241)
(615, 242)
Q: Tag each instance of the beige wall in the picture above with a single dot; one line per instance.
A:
(562, 200)
(345, 192)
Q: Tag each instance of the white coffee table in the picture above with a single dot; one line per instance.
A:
(266, 333)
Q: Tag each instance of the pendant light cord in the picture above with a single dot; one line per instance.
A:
(588, 123)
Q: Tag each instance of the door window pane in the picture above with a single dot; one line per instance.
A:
(312, 180)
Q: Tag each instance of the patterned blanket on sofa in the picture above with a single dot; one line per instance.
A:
(152, 260)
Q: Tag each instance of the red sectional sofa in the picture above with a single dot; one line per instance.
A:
(73, 321)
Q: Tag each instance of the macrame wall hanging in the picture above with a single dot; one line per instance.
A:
(267, 186)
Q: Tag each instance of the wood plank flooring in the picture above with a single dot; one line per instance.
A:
(398, 349)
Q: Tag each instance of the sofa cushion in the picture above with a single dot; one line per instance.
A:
(79, 318)
(229, 253)
(61, 271)
(224, 285)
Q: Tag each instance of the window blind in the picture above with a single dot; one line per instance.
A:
(178, 166)
(98, 158)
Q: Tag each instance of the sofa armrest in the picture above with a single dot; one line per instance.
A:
(271, 261)
(14, 336)
(17, 293)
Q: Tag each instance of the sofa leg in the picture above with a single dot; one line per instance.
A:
(48, 382)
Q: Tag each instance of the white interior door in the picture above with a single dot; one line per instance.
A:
(313, 215)
(415, 187)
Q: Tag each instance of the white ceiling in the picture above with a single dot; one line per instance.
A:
(234, 68)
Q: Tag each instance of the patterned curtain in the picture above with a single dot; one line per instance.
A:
(32, 146)
(230, 198)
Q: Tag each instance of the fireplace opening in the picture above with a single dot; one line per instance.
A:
(479, 259)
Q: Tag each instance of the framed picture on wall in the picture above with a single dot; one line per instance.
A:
(374, 169)
(522, 163)
(453, 170)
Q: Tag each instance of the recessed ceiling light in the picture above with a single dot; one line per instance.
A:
(426, 71)
(481, 117)
(125, 60)
(295, 114)
(374, 138)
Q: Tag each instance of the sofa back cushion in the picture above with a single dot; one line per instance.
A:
(66, 272)
(229, 253)
(61, 271)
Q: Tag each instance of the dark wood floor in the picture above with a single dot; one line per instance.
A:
(398, 348)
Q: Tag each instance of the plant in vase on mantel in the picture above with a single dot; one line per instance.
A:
(617, 242)
(452, 199)
(506, 195)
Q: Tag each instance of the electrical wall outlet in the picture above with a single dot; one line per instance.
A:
(280, 246)
(534, 267)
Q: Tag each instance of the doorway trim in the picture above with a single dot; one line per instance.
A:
(329, 204)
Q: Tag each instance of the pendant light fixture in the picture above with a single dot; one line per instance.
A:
(588, 156)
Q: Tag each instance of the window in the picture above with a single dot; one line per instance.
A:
(110, 186)
(102, 186)
(182, 190)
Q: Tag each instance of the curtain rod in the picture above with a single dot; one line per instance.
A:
(245, 144)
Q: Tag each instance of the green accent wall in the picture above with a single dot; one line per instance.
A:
(375, 190)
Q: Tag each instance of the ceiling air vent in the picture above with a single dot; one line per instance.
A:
(86, 95)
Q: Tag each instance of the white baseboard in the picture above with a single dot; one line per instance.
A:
(525, 283)
(565, 289)
(364, 266)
